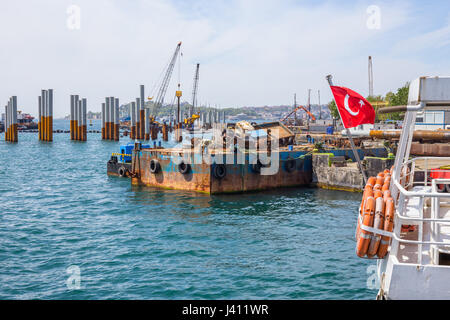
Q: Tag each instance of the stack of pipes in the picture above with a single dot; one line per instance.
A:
(78, 118)
(11, 120)
(45, 121)
(110, 119)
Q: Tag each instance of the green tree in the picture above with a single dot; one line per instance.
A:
(400, 98)
(333, 109)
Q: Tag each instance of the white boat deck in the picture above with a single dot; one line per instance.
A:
(407, 252)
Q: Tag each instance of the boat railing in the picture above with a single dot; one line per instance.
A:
(411, 202)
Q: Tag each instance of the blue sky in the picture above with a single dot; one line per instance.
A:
(251, 52)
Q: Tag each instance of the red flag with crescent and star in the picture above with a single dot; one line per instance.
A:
(353, 108)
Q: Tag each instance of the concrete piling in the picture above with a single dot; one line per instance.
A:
(133, 120)
(108, 119)
(45, 110)
(84, 119)
(116, 120)
(50, 114)
(11, 120)
(78, 118)
(147, 124)
(103, 121)
(138, 118)
(72, 117)
(111, 118)
(75, 124)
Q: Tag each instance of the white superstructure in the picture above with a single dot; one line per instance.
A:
(418, 263)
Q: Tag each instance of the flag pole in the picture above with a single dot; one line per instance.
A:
(349, 134)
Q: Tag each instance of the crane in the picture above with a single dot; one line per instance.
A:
(165, 82)
(296, 109)
(194, 90)
(370, 77)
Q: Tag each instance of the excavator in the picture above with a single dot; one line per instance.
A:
(295, 110)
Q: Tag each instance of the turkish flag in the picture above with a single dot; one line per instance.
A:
(353, 108)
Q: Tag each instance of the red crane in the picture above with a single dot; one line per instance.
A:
(296, 109)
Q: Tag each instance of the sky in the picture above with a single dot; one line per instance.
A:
(251, 52)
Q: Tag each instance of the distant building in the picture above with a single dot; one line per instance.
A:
(433, 118)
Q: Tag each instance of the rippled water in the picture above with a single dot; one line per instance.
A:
(59, 208)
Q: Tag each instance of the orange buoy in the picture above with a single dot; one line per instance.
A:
(378, 223)
(385, 186)
(377, 194)
(379, 182)
(364, 237)
(368, 192)
(386, 195)
(371, 181)
(388, 226)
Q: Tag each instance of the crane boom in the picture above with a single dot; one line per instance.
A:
(194, 89)
(165, 83)
(296, 109)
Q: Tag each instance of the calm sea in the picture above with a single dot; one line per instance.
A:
(68, 231)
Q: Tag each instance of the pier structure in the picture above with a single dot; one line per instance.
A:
(45, 111)
(11, 120)
(78, 118)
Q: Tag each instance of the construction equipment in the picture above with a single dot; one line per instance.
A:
(194, 90)
(295, 110)
(165, 82)
(190, 121)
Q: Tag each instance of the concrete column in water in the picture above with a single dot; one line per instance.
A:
(7, 121)
(72, 99)
(111, 118)
(116, 120)
(133, 120)
(14, 114)
(50, 114)
(80, 119)
(75, 122)
(43, 116)
(47, 116)
(138, 118)
(147, 124)
(84, 119)
(39, 116)
(107, 137)
(103, 120)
